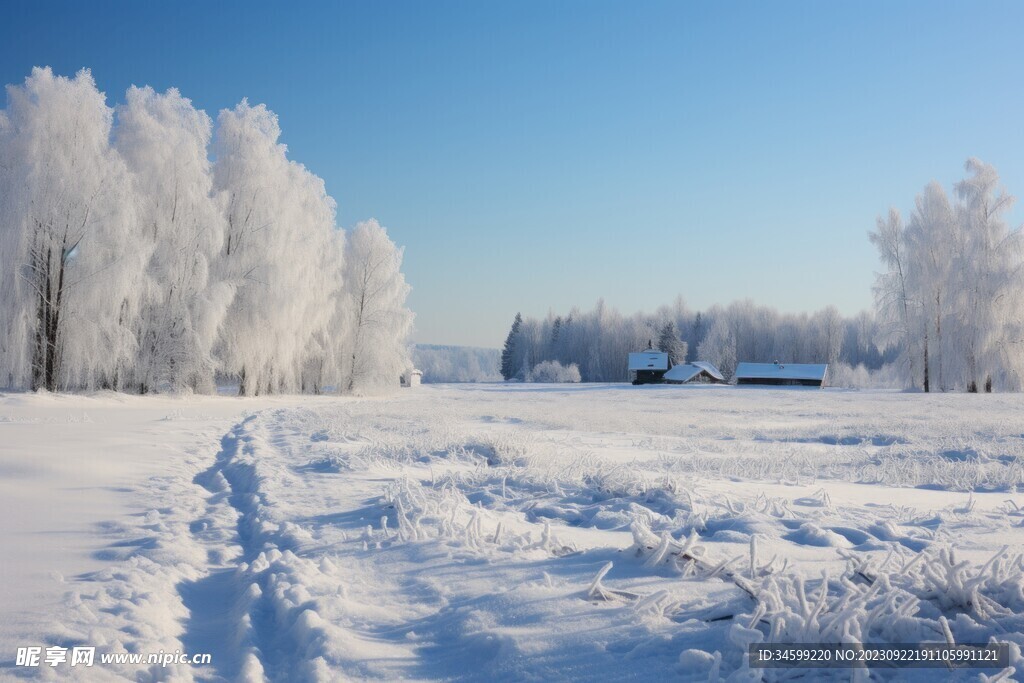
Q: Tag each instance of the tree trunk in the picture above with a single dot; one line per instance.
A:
(46, 354)
(938, 337)
(927, 378)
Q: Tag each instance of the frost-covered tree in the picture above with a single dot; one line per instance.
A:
(859, 345)
(930, 237)
(719, 348)
(164, 139)
(15, 311)
(72, 258)
(990, 290)
(952, 297)
(322, 366)
(276, 253)
(670, 343)
(376, 352)
(830, 328)
(897, 310)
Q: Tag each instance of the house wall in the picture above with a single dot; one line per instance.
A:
(701, 378)
(650, 376)
(777, 381)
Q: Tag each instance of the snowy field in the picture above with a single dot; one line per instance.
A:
(495, 532)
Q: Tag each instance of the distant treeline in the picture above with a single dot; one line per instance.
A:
(456, 363)
(598, 341)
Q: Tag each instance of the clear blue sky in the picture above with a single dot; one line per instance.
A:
(536, 155)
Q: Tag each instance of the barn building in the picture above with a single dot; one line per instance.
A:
(650, 366)
(697, 372)
(782, 374)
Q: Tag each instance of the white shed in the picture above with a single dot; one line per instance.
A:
(412, 378)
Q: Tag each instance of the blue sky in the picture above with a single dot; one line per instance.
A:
(537, 155)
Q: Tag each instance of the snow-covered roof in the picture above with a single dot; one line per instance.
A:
(812, 371)
(687, 371)
(710, 369)
(683, 373)
(648, 360)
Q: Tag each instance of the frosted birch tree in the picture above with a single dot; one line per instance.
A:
(280, 223)
(322, 365)
(376, 352)
(989, 290)
(719, 347)
(952, 295)
(71, 254)
(931, 237)
(897, 310)
(828, 325)
(15, 313)
(164, 141)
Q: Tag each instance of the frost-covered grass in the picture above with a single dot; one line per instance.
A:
(555, 532)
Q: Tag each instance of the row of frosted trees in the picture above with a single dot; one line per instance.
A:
(951, 298)
(131, 261)
(598, 341)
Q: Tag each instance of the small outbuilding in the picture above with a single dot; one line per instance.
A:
(697, 372)
(650, 366)
(782, 374)
(412, 378)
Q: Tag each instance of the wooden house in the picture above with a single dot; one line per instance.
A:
(782, 374)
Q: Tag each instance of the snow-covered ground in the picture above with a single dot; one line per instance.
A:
(507, 532)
